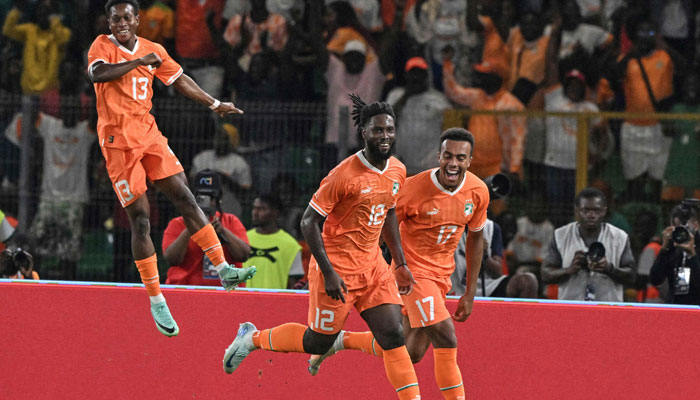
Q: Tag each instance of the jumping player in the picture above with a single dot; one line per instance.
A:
(122, 67)
(357, 200)
(433, 209)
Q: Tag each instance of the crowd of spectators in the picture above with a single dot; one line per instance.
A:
(284, 60)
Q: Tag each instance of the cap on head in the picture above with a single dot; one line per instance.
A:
(576, 74)
(355, 45)
(208, 182)
(416, 62)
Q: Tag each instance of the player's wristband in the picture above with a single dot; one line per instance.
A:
(215, 104)
(400, 265)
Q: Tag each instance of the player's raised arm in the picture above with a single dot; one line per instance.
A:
(392, 238)
(310, 228)
(185, 85)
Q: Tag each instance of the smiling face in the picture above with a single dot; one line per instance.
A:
(454, 157)
(379, 135)
(123, 23)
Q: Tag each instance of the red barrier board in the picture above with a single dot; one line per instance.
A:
(79, 342)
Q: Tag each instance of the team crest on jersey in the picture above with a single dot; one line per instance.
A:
(468, 208)
(395, 189)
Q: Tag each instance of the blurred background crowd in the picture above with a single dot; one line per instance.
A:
(290, 65)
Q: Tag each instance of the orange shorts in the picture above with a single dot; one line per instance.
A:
(425, 305)
(129, 168)
(367, 290)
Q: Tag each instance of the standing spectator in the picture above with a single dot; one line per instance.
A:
(576, 33)
(527, 249)
(188, 263)
(528, 46)
(561, 139)
(198, 54)
(574, 259)
(342, 26)
(500, 138)
(675, 22)
(495, 25)
(260, 28)
(58, 224)
(682, 179)
(419, 110)
(646, 77)
(677, 262)
(231, 166)
(157, 23)
(44, 41)
(274, 252)
(367, 12)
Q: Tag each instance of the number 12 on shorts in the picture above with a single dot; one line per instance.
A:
(431, 309)
(323, 321)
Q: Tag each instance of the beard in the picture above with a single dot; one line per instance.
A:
(376, 154)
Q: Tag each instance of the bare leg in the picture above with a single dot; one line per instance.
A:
(141, 243)
(175, 187)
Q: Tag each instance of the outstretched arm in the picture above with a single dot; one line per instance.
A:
(185, 85)
(392, 238)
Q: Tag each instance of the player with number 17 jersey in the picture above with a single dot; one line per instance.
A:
(432, 220)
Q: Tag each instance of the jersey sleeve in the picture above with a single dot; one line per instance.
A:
(169, 70)
(481, 205)
(328, 194)
(99, 52)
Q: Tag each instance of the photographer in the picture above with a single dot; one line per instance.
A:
(188, 263)
(16, 263)
(677, 261)
(589, 259)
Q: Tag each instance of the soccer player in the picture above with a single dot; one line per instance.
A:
(433, 209)
(357, 200)
(122, 67)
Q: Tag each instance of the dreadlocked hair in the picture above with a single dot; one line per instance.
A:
(362, 112)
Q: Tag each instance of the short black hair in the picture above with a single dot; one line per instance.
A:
(362, 113)
(458, 135)
(590, 193)
(111, 3)
(272, 200)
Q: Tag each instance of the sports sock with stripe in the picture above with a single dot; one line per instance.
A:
(148, 269)
(401, 374)
(287, 337)
(363, 341)
(447, 374)
(207, 240)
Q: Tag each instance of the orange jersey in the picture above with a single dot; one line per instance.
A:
(355, 197)
(124, 104)
(659, 69)
(432, 220)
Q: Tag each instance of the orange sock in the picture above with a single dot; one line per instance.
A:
(287, 337)
(206, 239)
(363, 341)
(401, 374)
(148, 269)
(447, 374)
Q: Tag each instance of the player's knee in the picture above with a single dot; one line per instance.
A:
(140, 224)
(316, 343)
(390, 339)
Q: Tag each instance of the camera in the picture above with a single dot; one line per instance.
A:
(595, 253)
(499, 185)
(684, 212)
(13, 260)
(204, 202)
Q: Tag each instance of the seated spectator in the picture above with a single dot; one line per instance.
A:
(527, 249)
(188, 263)
(231, 167)
(44, 40)
(500, 138)
(274, 252)
(419, 110)
(256, 30)
(575, 33)
(560, 157)
(589, 259)
(677, 262)
(681, 179)
(492, 281)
